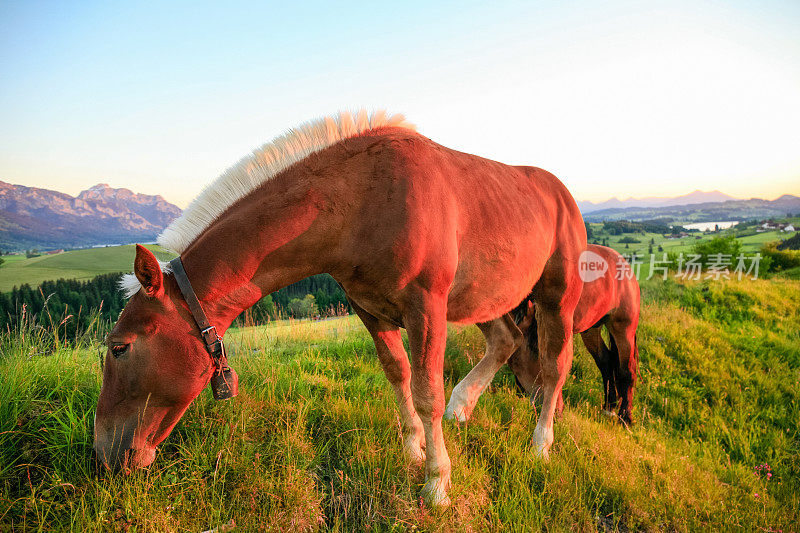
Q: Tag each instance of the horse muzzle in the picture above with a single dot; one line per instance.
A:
(115, 449)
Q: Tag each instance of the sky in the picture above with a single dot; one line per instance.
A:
(625, 99)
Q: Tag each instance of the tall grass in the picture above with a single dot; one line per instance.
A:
(313, 442)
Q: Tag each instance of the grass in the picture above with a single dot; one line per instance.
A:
(76, 264)
(312, 442)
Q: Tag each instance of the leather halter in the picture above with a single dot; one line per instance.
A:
(224, 381)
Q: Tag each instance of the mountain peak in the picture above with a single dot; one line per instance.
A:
(31, 217)
(694, 197)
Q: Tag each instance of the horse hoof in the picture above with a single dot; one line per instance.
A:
(609, 414)
(455, 412)
(434, 494)
(542, 440)
(542, 453)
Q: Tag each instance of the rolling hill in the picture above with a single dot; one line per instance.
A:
(76, 264)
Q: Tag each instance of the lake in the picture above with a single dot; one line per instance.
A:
(705, 226)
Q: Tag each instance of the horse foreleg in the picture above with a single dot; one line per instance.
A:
(394, 360)
(624, 335)
(606, 362)
(502, 338)
(427, 335)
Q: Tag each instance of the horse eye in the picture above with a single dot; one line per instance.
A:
(119, 349)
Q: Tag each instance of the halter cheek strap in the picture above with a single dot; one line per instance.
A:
(224, 381)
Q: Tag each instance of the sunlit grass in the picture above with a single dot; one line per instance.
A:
(312, 441)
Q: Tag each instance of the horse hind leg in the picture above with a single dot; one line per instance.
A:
(394, 360)
(503, 337)
(556, 296)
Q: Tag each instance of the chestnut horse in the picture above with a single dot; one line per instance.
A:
(611, 300)
(416, 234)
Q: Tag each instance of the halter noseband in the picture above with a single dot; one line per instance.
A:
(224, 381)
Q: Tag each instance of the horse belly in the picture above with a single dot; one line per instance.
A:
(493, 281)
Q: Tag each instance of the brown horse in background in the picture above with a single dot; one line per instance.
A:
(416, 234)
(611, 300)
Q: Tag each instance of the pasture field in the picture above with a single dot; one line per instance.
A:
(312, 442)
(91, 262)
(750, 243)
(75, 264)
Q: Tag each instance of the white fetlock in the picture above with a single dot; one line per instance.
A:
(434, 492)
(456, 407)
(542, 440)
(542, 453)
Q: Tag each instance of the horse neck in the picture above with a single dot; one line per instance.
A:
(273, 237)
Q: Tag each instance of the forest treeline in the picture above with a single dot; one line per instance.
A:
(72, 305)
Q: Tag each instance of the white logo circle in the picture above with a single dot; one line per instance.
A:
(591, 266)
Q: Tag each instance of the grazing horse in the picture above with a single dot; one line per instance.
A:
(610, 300)
(415, 233)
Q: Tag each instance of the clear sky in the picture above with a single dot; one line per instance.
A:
(616, 98)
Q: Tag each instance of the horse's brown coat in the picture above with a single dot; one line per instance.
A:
(613, 301)
(416, 234)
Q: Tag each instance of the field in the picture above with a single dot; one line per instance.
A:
(750, 244)
(76, 264)
(312, 441)
(87, 263)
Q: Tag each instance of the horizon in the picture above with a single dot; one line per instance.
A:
(578, 200)
(654, 101)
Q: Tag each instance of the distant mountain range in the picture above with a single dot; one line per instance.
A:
(45, 219)
(714, 211)
(696, 197)
(40, 218)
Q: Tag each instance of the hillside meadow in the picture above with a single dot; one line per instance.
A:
(75, 264)
(312, 442)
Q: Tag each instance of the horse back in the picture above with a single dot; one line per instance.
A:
(440, 220)
(614, 295)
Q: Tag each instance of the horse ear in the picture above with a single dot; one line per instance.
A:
(148, 272)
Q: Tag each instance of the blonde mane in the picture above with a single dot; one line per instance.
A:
(265, 163)
(258, 167)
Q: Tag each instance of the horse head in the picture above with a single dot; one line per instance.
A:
(156, 364)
